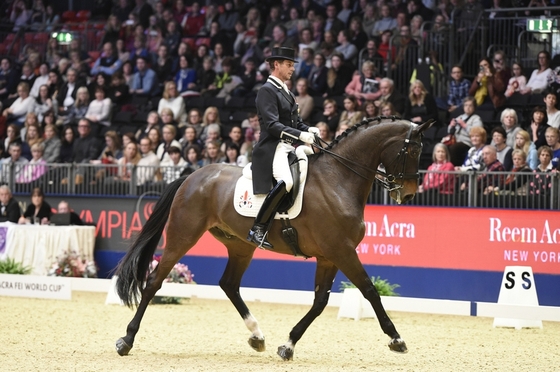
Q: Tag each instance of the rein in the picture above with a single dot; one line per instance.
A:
(389, 180)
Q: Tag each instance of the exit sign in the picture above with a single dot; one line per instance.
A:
(541, 25)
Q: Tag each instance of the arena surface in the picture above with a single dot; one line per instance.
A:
(208, 335)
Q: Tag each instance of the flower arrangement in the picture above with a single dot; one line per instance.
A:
(71, 264)
(179, 274)
(384, 288)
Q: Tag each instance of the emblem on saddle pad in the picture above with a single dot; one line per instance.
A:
(246, 200)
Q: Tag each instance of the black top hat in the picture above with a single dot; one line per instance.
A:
(282, 53)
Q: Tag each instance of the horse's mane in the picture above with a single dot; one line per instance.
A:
(374, 121)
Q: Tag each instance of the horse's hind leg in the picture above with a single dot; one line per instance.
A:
(239, 259)
(324, 277)
(351, 266)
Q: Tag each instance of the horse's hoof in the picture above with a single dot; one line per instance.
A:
(398, 346)
(257, 343)
(285, 352)
(122, 347)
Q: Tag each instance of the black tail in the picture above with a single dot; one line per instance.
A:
(133, 269)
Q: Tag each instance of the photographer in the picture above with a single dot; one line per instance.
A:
(489, 87)
(461, 127)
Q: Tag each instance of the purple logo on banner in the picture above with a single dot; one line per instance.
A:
(3, 231)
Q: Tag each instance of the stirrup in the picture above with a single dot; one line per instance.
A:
(261, 242)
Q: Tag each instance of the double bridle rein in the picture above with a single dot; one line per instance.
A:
(387, 180)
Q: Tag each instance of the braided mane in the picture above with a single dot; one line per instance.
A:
(355, 127)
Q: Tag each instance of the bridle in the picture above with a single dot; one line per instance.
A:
(387, 180)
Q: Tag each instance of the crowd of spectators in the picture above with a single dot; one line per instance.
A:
(155, 59)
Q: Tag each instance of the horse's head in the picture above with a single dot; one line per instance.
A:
(401, 161)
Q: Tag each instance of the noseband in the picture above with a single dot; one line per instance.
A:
(387, 180)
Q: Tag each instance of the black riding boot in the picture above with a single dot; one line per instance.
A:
(258, 232)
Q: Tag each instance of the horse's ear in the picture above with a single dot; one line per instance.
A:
(426, 125)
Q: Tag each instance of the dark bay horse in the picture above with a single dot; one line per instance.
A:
(330, 224)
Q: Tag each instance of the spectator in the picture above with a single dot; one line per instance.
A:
(78, 109)
(318, 76)
(162, 64)
(193, 156)
(303, 99)
(211, 116)
(27, 75)
(503, 151)
(109, 157)
(386, 49)
(67, 92)
(23, 105)
(185, 79)
(67, 145)
(324, 132)
(172, 100)
(36, 167)
(180, 11)
(553, 141)
(148, 163)
(539, 78)
(51, 144)
(509, 121)
(488, 88)
(458, 88)
(517, 181)
(437, 181)
(233, 156)
(32, 136)
(416, 28)
(420, 105)
(473, 159)
(213, 134)
(228, 18)
(173, 166)
(112, 30)
(122, 10)
(486, 183)
(253, 21)
(86, 146)
(272, 21)
(139, 49)
(128, 73)
(351, 112)
(461, 127)
(38, 211)
(193, 23)
(387, 109)
(172, 38)
(119, 91)
(183, 50)
(12, 135)
(330, 114)
(306, 42)
(523, 142)
(168, 133)
(517, 82)
(202, 52)
(64, 207)
(15, 161)
(212, 153)
(369, 19)
(144, 81)
(248, 78)
(370, 110)
(206, 75)
(108, 63)
(542, 183)
(242, 41)
(371, 53)
(99, 81)
(20, 15)
(143, 11)
(539, 120)
(154, 135)
(385, 22)
(406, 58)
(339, 76)
(305, 63)
(43, 103)
(190, 138)
(389, 94)
(332, 23)
(347, 49)
(235, 136)
(99, 109)
(9, 208)
(357, 36)
(41, 80)
(552, 113)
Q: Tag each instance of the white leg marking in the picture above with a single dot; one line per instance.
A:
(253, 326)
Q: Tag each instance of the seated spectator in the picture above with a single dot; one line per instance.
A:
(248, 76)
(43, 103)
(51, 144)
(193, 154)
(351, 111)
(15, 161)
(303, 99)
(364, 86)
(318, 76)
(64, 207)
(168, 133)
(458, 88)
(345, 47)
(552, 113)
(38, 211)
(503, 151)
(213, 134)
(523, 143)
(42, 79)
(23, 105)
(86, 147)
(35, 168)
(68, 91)
(486, 183)
(225, 81)
(154, 136)
(172, 38)
(124, 55)
(80, 66)
(330, 114)
(162, 64)
(539, 77)
(387, 109)
(339, 76)
(539, 120)
(212, 154)
(389, 94)
(20, 15)
(325, 133)
(385, 22)
(517, 181)
(67, 145)
(30, 119)
(108, 63)
(185, 79)
(473, 158)
(211, 116)
(32, 137)
(437, 181)
(152, 121)
(99, 109)
(172, 100)
(9, 208)
(233, 155)
(78, 109)
(510, 123)
(305, 63)
(235, 136)
(190, 138)
(109, 156)
(99, 81)
(8, 79)
(517, 82)
(553, 141)
(112, 30)
(488, 88)
(54, 84)
(461, 127)
(147, 165)
(128, 73)
(173, 165)
(420, 105)
(119, 91)
(370, 110)
(144, 81)
(542, 183)
(126, 164)
(27, 75)
(12, 135)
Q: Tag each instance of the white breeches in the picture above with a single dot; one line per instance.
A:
(280, 165)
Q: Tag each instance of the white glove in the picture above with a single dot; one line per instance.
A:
(314, 130)
(307, 137)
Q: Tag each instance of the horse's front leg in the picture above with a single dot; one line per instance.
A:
(231, 280)
(351, 266)
(324, 277)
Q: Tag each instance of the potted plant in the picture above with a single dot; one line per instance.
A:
(179, 274)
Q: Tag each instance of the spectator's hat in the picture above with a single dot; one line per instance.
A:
(282, 53)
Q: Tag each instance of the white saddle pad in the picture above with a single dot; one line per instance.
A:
(247, 204)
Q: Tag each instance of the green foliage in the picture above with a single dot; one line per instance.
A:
(10, 266)
(384, 288)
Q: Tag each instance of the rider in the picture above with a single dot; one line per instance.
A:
(281, 126)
